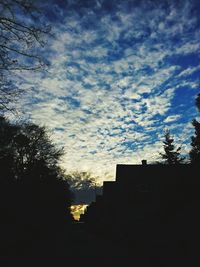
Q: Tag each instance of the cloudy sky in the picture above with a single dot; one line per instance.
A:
(120, 73)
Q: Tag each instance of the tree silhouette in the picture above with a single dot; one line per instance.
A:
(195, 151)
(197, 102)
(28, 145)
(172, 154)
(84, 186)
(35, 199)
(22, 31)
(195, 140)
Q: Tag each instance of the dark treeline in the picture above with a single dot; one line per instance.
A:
(34, 196)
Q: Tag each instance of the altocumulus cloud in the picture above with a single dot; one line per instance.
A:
(120, 72)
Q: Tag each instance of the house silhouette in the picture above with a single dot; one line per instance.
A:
(148, 202)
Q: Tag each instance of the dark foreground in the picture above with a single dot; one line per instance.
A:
(79, 247)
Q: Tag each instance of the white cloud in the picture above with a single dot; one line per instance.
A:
(172, 118)
(107, 103)
(188, 71)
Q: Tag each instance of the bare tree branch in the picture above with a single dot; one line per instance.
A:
(21, 34)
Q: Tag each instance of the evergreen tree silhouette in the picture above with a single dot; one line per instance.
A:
(197, 102)
(195, 140)
(172, 154)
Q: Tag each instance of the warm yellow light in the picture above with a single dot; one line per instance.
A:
(77, 210)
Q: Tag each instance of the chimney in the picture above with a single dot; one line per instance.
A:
(144, 162)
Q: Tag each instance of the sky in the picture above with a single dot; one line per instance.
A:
(120, 73)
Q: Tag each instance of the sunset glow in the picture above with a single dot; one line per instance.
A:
(77, 210)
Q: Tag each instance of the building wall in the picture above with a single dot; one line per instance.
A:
(143, 197)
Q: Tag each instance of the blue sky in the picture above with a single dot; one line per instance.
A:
(120, 73)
